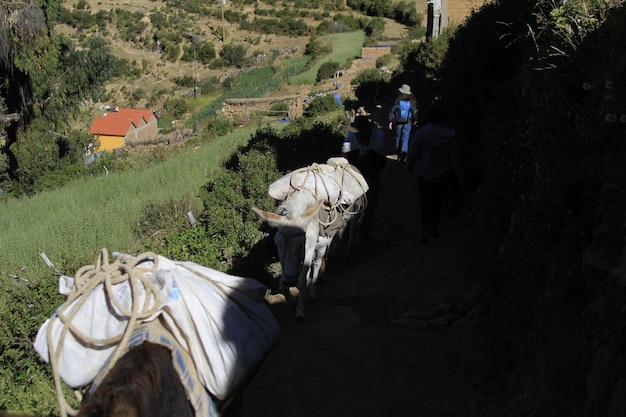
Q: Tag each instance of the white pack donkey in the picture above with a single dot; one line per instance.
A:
(317, 203)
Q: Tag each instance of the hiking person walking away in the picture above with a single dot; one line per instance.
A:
(401, 118)
(434, 154)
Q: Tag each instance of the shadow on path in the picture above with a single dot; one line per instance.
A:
(368, 347)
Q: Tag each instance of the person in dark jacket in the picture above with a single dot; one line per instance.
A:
(434, 155)
(364, 147)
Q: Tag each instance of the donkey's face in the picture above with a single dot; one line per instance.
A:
(298, 230)
(290, 244)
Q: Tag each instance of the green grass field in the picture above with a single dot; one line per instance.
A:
(345, 46)
(77, 220)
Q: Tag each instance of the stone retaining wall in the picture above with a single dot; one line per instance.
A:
(237, 108)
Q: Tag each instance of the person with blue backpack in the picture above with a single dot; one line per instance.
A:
(402, 116)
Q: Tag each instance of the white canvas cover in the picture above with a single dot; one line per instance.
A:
(219, 319)
(335, 182)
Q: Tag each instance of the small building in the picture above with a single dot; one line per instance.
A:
(124, 127)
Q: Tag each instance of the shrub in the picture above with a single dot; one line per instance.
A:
(186, 81)
(384, 60)
(176, 106)
(234, 55)
(227, 228)
(171, 51)
(228, 235)
(326, 70)
(24, 305)
(217, 126)
(159, 220)
(317, 47)
(416, 32)
(368, 82)
(322, 104)
(204, 53)
(209, 85)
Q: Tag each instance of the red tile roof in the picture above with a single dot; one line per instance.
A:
(118, 123)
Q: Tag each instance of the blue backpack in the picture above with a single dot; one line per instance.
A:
(405, 112)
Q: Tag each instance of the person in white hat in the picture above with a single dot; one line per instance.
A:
(401, 119)
(405, 89)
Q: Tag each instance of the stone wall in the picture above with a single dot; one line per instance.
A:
(373, 52)
(458, 10)
(238, 108)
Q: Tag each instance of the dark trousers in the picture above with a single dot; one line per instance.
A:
(373, 181)
(431, 199)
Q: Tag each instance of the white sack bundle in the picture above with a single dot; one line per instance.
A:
(220, 319)
(335, 182)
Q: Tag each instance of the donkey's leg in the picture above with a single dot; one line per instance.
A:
(353, 236)
(303, 284)
(289, 298)
(320, 252)
(302, 296)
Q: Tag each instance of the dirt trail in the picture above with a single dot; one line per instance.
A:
(361, 351)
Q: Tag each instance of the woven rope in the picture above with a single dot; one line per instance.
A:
(321, 179)
(87, 279)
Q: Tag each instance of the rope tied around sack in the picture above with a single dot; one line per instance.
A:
(322, 181)
(88, 278)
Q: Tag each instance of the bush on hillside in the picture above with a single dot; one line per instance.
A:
(405, 13)
(170, 50)
(349, 20)
(24, 306)
(375, 28)
(46, 161)
(333, 27)
(317, 47)
(322, 104)
(286, 26)
(209, 85)
(402, 12)
(130, 25)
(159, 220)
(384, 60)
(369, 83)
(416, 32)
(218, 126)
(176, 107)
(186, 81)
(234, 55)
(77, 19)
(228, 235)
(203, 53)
(227, 228)
(326, 70)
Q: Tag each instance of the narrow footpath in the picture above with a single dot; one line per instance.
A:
(385, 337)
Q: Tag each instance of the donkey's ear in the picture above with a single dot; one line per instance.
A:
(273, 219)
(313, 210)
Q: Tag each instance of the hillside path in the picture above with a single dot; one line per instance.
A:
(362, 351)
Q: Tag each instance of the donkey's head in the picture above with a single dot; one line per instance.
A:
(298, 229)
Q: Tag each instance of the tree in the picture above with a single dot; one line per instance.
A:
(234, 55)
(317, 47)
(44, 78)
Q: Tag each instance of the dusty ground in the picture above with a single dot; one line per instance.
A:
(363, 350)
